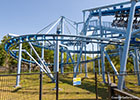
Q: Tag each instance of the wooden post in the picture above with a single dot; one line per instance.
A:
(57, 85)
(109, 86)
(40, 90)
(96, 86)
(114, 81)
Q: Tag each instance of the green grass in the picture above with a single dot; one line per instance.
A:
(87, 87)
(132, 84)
(29, 89)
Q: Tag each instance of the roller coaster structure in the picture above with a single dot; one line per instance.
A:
(123, 32)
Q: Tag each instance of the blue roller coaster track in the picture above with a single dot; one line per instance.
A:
(65, 36)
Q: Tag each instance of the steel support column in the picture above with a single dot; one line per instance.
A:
(56, 63)
(137, 65)
(85, 30)
(19, 64)
(62, 53)
(41, 71)
(93, 58)
(134, 62)
(62, 61)
(111, 63)
(54, 68)
(99, 70)
(86, 69)
(42, 62)
(81, 65)
(126, 45)
(102, 47)
(78, 61)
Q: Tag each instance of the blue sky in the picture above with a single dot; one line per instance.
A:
(29, 16)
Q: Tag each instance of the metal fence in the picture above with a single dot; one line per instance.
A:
(28, 89)
(32, 88)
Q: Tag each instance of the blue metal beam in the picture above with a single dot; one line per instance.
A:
(111, 63)
(19, 64)
(137, 65)
(126, 45)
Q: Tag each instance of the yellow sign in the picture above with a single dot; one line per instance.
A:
(76, 81)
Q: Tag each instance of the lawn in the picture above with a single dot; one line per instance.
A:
(29, 89)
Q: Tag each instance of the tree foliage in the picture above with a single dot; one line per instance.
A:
(11, 63)
(116, 61)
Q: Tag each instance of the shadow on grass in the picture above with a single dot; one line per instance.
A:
(19, 92)
(90, 86)
(16, 89)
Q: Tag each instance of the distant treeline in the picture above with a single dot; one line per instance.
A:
(10, 64)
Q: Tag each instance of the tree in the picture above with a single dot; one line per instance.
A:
(116, 61)
(2, 55)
